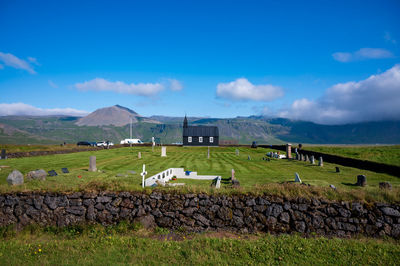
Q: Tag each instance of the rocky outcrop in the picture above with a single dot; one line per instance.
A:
(201, 212)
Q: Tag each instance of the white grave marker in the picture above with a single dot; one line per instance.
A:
(163, 151)
(143, 174)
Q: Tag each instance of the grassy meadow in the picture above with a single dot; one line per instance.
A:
(130, 244)
(380, 154)
(255, 175)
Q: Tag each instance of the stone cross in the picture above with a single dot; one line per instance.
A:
(163, 151)
(139, 155)
(233, 174)
(237, 152)
(92, 164)
(289, 151)
(3, 154)
(143, 174)
(208, 153)
(321, 162)
(312, 160)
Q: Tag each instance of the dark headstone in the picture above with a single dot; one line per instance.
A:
(52, 173)
(361, 180)
(385, 185)
(65, 170)
(337, 169)
(248, 157)
(3, 154)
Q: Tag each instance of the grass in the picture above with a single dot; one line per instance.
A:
(380, 154)
(127, 244)
(11, 148)
(255, 175)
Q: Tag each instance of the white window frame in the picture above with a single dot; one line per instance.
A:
(200, 139)
(211, 139)
(190, 139)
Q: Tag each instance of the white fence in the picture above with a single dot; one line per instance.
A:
(179, 173)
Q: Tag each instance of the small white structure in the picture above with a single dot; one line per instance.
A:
(131, 141)
(143, 174)
(179, 173)
(163, 151)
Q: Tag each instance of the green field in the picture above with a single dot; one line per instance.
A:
(130, 244)
(255, 175)
(380, 154)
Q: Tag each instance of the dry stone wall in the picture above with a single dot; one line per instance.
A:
(200, 212)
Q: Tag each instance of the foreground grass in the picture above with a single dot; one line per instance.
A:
(380, 154)
(255, 175)
(126, 244)
(11, 148)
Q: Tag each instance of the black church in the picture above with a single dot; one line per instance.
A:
(199, 135)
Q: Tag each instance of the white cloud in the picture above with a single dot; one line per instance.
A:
(15, 62)
(373, 99)
(242, 89)
(362, 54)
(33, 60)
(175, 85)
(142, 89)
(26, 109)
(52, 84)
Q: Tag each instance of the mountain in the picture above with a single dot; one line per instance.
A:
(113, 123)
(115, 115)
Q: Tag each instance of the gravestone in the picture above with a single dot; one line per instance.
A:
(337, 169)
(312, 160)
(3, 154)
(208, 153)
(297, 157)
(38, 174)
(143, 174)
(235, 183)
(92, 164)
(301, 157)
(332, 187)
(233, 174)
(152, 144)
(297, 178)
(15, 178)
(163, 151)
(218, 182)
(248, 157)
(139, 155)
(361, 180)
(307, 159)
(385, 185)
(289, 151)
(321, 162)
(237, 152)
(52, 173)
(64, 170)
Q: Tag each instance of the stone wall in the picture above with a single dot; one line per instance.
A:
(200, 212)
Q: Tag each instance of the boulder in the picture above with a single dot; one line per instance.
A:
(15, 178)
(38, 174)
(385, 185)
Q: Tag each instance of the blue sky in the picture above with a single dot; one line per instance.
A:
(310, 60)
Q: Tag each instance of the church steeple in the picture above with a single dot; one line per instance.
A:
(185, 122)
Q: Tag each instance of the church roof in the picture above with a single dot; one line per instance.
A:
(200, 131)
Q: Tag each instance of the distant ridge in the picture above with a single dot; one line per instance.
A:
(116, 115)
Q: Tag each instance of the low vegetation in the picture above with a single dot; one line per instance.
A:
(380, 154)
(129, 243)
(255, 175)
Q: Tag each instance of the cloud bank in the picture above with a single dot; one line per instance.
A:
(141, 89)
(373, 99)
(242, 89)
(362, 54)
(26, 109)
(15, 62)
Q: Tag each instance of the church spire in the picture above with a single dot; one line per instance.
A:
(185, 122)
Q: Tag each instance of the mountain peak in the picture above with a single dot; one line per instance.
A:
(116, 115)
